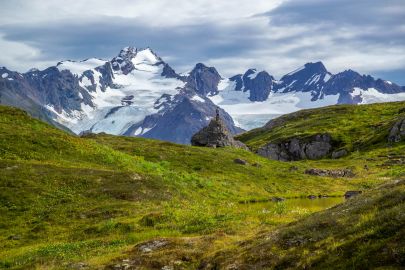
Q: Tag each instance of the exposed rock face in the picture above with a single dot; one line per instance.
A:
(169, 72)
(308, 78)
(204, 80)
(397, 132)
(314, 147)
(331, 173)
(216, 134)
(259, 84)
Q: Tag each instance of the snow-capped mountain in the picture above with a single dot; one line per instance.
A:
(136, 93)
(255, 97)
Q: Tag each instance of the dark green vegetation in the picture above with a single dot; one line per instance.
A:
(96, 200)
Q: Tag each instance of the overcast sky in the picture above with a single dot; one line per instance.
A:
(276, 35)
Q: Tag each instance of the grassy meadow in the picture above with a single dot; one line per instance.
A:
(68, 202)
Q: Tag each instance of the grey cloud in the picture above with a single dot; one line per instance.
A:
(105, 36)
(340, 12)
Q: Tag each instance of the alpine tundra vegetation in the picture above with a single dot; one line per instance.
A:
(122, 203)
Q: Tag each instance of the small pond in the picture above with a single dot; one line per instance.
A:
(297, 204)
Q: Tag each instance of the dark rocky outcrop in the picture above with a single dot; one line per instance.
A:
(397, 132)
(169, 72)
(216, 134)
(314, 147)
(204, 80)
(259, 84)
(352, 193)
(331, 173)
(339, 153)
(240, 161)
(123, 61)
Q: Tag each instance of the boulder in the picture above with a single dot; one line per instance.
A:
(240, 161)
(331, 173)
(216, 134)
(339, 153)
(352, 193)
(397, 132)
(313, 147)
(152, 245)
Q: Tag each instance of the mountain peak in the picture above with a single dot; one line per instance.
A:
(130, 58)
(204, 80)
(128, 52)
(309, 68)
(200, 66)
(145, 54)
(249, 73)
(318, 67)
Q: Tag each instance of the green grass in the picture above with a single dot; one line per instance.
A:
(366, 232)
(352, 127)
(66, 199)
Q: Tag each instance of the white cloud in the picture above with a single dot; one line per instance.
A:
(156, 12)
(20, 55)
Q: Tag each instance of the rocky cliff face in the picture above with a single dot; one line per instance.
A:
(204, 80)
(314, 147)
(258, 84)
(310, 77)
(216, 134)
(397, 132)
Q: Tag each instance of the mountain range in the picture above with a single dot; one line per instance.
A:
(136, 93)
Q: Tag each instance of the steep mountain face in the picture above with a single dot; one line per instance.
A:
(136, 93)
(258, 84)
(17, 92)
(310, 77)
(204, 80)
(181, 117)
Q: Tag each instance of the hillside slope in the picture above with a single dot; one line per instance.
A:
(351, 127)
(66, 200)
(366, 232)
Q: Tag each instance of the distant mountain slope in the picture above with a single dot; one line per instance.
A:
(136, 93)
(255, 97)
